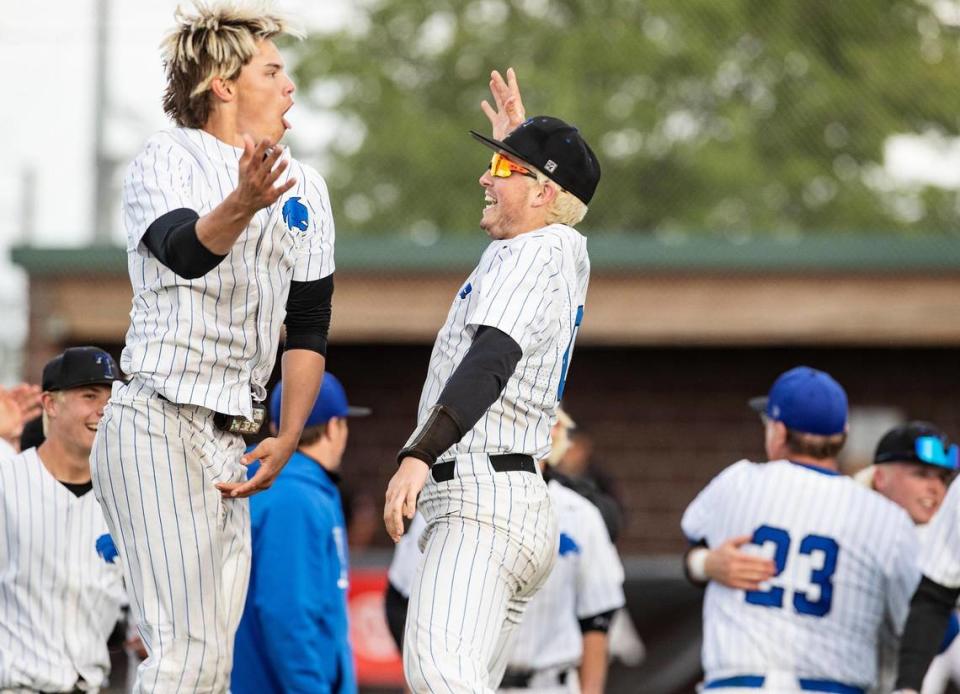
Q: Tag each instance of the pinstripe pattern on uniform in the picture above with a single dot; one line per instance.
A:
(874, 577)
(211, 340)
(940, 559)
(489, 544)
(59, 600)
(529, 287)
(587, 580)
(155, 464)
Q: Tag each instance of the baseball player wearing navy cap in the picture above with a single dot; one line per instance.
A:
(293, 636)
(58, 601)
(842, 560)
(496, 374)
(229, 240)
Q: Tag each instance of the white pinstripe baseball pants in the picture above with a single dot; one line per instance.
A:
(185, 552)
(489, 545)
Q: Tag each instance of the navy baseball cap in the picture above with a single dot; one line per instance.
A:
(917, 442)
(806, 400)
(80, 366)
(331, 402)
(555, 148)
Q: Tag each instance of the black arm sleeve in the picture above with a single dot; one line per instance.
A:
(172, 238)
(929, 614)
(396, 607)
(309, 307)
(598, 622)
(473, 387)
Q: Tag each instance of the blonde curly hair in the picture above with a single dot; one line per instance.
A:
(216, 40)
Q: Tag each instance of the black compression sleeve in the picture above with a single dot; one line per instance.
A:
(396, 607)
(309, 307)
(172, 238)
(598, 622)
(929, 614)
(481, 376)
(473, 387)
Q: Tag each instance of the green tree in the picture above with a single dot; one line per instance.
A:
(718, 115)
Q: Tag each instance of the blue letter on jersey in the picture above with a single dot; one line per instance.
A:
(295, 214)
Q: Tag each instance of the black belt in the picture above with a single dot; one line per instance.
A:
(506, 462)
(234, 423)
(520, 679)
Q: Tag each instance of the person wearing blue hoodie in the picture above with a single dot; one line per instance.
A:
(294, 635)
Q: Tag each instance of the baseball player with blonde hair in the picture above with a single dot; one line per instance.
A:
(489, 401)
(228, 239)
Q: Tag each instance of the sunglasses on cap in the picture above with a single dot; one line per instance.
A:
(930, 450)
(501, 167)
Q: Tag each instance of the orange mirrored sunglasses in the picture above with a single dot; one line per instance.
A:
(502, 167)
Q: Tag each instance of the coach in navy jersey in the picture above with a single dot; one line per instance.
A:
(228, 239)
(59, 601)
(840, 560)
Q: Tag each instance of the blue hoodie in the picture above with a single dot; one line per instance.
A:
(293, 636)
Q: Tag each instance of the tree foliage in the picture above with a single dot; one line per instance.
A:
(719, 115)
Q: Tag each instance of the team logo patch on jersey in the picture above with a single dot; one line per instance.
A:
(295, 214)
(466, 290)
(567, 545)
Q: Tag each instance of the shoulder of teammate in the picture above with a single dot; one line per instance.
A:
(726, 488)
(940, 553)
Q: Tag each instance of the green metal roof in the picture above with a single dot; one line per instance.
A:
(609, 252)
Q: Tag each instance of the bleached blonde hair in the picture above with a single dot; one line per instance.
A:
(566, 208)
(216, 40)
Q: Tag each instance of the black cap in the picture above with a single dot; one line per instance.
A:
(899, 445)
(80, 366)
(555, 148)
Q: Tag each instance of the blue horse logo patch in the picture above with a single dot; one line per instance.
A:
(567, 545)
(295, 214)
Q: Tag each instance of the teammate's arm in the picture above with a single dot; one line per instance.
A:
(302, 371)
(593, 665)
(929, 616)
(728, 565)
(473, 387)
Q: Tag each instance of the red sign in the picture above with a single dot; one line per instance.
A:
(375, 654)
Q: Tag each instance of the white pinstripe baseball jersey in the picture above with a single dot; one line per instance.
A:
(940, 559)
(212, 341)
(587, 580)
(532, 287)
(846, 560)
(59, 600)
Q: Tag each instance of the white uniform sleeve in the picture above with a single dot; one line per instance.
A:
(406, 556)
(599, 571)
(940, 558)
(904, 574)
(520, 294)
(159, 180)
(314, 258)
(6, 450)
(700, 517)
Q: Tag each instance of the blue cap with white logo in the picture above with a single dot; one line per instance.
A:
(331, 402)
(806, 400)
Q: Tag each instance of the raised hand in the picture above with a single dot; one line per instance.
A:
(260, 168)
(508, 112)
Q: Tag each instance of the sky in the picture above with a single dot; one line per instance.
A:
(47, 121)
